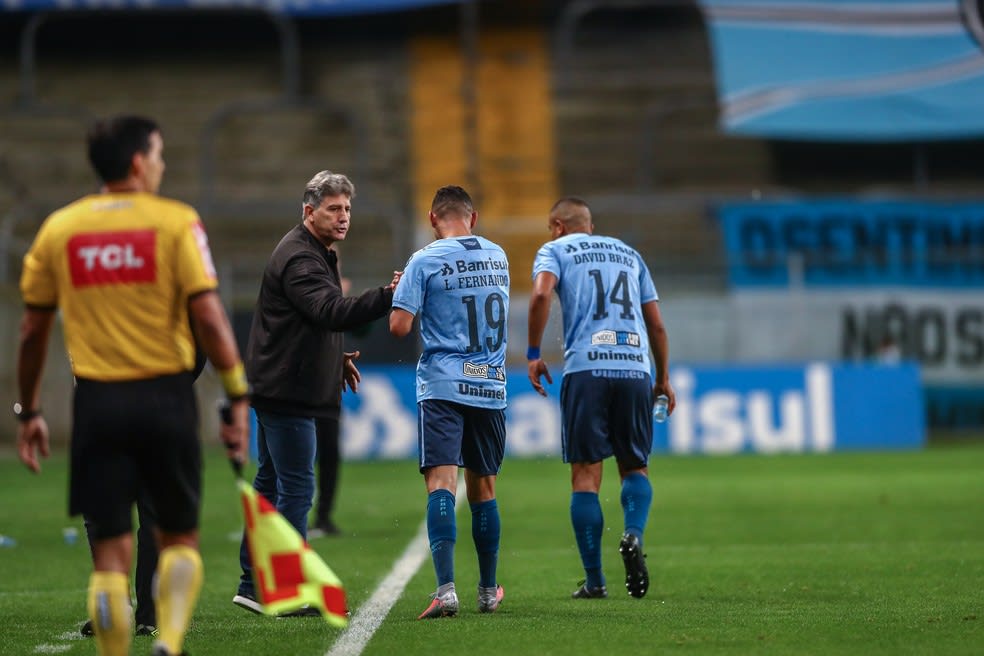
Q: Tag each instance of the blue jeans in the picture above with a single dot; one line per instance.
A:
(286, 448)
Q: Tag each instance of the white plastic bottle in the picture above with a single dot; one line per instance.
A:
(661, 407)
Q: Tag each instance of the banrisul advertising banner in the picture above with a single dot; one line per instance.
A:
(850, 70)
(849, 243)
(815, 407)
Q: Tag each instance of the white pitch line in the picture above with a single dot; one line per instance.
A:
(371, 614)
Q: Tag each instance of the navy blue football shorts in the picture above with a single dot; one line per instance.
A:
(131, 438)
(607, 412)
(450, 433)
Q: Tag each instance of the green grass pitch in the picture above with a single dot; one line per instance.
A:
(873, 553)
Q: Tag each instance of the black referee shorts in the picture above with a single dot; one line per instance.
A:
(130, 435)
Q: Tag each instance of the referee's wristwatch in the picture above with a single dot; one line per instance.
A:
(25, 414)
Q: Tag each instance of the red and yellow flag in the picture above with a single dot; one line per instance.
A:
(287, 573)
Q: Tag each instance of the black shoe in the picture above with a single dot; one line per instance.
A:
(248, 602)
(584, 592)
(636, 574)
(323, 528)
(142, 630)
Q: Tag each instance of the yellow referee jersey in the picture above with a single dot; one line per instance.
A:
(121, 267)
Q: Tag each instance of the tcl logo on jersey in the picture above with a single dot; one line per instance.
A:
(106, 258)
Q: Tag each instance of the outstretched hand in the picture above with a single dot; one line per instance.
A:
(350, 374)
(536, 369)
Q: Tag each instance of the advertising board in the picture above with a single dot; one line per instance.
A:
(813, 407)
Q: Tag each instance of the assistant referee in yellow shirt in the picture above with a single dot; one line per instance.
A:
(127, 269)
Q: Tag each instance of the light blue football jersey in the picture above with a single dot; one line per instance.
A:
(459, 289)
(602, 284)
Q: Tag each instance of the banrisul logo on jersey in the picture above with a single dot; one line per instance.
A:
(110, 258)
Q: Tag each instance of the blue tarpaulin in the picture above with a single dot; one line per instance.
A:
(290, 7)
(849, 70)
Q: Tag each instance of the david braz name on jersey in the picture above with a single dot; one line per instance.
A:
(622, 254)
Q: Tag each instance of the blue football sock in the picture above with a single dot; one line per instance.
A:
(588, 522)
(485, 533)
(442, 531)
(637, 496)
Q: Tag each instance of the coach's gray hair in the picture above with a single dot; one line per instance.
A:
(326, 183)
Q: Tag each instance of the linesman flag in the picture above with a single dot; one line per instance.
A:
(287, 573)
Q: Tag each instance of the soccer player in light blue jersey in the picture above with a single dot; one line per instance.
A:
(611, 321)
(459, 287)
